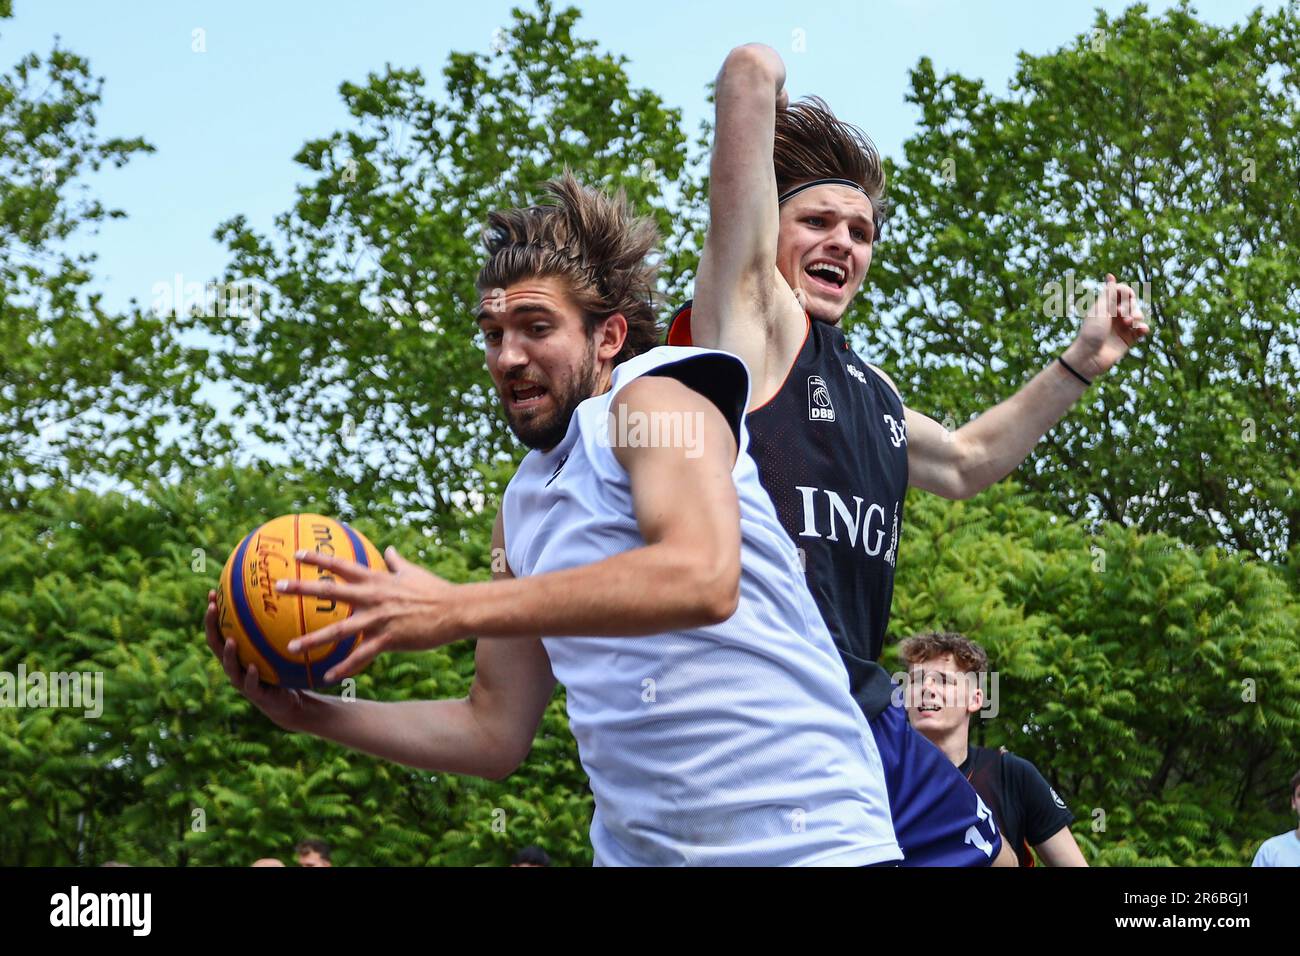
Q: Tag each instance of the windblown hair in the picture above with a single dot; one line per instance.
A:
(812, 144)
(970, 657)
(590, 239)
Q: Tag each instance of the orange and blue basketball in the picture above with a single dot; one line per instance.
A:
(262, 621)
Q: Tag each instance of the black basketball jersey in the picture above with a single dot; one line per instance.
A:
(831, 448)
(1027, 810)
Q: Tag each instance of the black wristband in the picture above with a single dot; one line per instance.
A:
(1072, 371)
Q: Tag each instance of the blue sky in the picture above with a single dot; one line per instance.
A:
(226, 122)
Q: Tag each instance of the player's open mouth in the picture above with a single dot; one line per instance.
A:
(929, 708)
(525, 395)
(827, 274)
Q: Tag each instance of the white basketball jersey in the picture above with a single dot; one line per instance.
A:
(735, 744)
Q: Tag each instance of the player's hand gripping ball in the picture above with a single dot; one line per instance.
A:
(262, 621)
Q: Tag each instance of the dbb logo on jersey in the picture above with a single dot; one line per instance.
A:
(897, 430)
(820, 408)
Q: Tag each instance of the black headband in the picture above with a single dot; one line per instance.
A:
(791, 193)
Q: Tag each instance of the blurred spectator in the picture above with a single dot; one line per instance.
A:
(313, 853)
(1283, 849)
(531, 856)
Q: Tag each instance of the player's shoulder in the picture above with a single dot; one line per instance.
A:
(685, 380)
(1029, 778)
(1264, 856)
(1279, 842)
(1017, 765)
(852, 352)
(679, 374)
(888, 381)
(835, 335)
(652, 390)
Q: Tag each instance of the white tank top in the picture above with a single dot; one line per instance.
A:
(735, 744)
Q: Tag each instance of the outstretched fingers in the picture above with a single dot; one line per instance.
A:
(366, 651)
(341, 567)
(337, 631)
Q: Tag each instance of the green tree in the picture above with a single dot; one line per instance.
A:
(1157, 685)
(364, 359)
(1162, 149)
(1150, 681)
(178, 768)
(83, 392)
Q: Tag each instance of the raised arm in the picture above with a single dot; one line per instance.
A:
(487, 734)
(962, 463)
(742, 304)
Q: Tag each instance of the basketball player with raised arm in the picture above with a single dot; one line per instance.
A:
(795, 201)
(647, 572)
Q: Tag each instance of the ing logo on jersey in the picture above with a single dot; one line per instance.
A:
(891, 556)
(897, 431)
(820, 408)
(856, 373)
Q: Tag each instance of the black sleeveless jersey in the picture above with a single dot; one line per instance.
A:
(831, 448)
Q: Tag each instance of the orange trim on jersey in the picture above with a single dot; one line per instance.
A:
(679, 326)
(679, 333)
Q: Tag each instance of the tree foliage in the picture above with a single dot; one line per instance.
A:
(1156, 684)
(84, 393)
(365, 358)
(1162, 149)
(179, 769)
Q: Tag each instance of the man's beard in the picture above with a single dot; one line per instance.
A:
(543, 431)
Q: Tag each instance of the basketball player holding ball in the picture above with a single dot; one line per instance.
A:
(712, 714)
